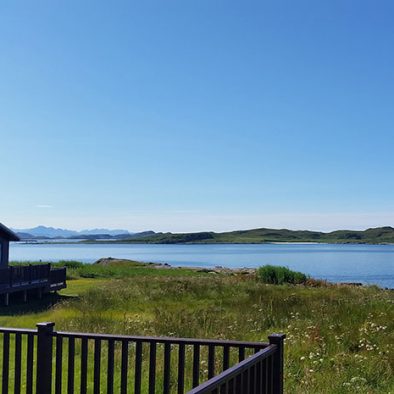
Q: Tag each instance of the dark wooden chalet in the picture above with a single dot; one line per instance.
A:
(38, 278)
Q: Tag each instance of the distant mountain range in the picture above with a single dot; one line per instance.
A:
(380, 235)
(42, 232)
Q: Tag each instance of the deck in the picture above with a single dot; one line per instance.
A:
(23, 278)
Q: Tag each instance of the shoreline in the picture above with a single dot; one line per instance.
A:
(229, 271)
(110, 242)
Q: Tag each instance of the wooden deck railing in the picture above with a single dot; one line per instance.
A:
(260, 373)
(25, 277)
(57, 276)
(46, 361)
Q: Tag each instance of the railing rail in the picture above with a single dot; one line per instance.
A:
(81, 362)
(247, 374)
(260, 373)
(18, 345)
(30, 276)
(172, 340)
(57, 275)
(17, 275)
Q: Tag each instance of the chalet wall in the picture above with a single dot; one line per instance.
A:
(4, 252)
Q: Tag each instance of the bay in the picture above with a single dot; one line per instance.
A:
(368, 264)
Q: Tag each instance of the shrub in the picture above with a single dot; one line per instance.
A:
(278, 275)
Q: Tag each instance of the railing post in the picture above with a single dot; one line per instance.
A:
(44, 357)
(278, 340)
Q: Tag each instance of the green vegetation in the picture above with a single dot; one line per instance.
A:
(280, 275)
(340, 339)
(118, 268)
(380, 235)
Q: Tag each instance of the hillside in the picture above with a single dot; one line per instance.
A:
(379, 235)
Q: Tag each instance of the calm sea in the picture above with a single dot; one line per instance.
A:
(369, 264)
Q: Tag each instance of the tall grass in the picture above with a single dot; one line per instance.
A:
(340, 339)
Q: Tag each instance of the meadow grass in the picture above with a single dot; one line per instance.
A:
(339, 338)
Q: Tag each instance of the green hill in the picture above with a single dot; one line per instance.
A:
(381, 235)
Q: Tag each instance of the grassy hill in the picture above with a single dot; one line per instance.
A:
(379, 235)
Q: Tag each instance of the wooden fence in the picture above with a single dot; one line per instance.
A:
(46, 361)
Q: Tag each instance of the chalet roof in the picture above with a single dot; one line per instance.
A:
(7, 234)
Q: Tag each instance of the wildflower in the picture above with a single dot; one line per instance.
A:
(358, 379)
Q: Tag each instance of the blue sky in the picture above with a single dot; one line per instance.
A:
(197, 115)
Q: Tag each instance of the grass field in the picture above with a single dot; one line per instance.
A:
(339, 338)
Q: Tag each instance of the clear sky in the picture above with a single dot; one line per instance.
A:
(197, 114)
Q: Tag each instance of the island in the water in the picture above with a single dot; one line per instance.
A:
(380, 235)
